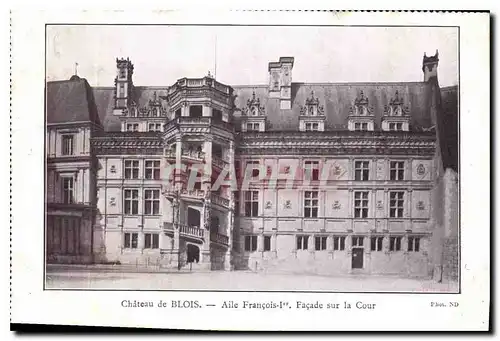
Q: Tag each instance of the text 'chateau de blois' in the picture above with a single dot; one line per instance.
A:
(331, 178)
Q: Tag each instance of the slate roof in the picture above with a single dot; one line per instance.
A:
(337, 98)
(71, 101)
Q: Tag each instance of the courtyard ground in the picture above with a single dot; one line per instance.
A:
(123, 278)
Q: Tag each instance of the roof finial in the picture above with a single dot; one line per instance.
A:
(76, 68)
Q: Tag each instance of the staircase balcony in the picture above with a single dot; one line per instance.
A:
(219, 163)
(220, 239)
(219, 200)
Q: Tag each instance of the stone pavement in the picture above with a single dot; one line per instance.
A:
(107, 277)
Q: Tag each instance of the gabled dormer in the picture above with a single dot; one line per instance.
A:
(312, 115)
(361, 114)
(253, 115)
(396, 115)
(150, 117)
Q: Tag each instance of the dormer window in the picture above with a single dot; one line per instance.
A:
(253, 107)
(312, 116)
(253, 126)
(395, 126)
(132, 127)
(253, 118)
(396, 115)
(360, 126)
(311, 126)
(361, 115)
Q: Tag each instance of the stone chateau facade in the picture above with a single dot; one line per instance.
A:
(331, 177)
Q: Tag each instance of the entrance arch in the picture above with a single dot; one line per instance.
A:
(193, 253)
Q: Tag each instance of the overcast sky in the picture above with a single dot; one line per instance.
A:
(163, 54)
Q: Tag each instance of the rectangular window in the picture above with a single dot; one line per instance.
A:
(360, 126)
(254, 167)
(310, 126)
(357, 241)
(251, 203)
(151, 241)
(376, 243)
(151, 201)
(236, 204)
(68, 188)
(154, 126)
(250, 243)
(395, 244)
(414, 244)
(178, 113)
(131, 169)
(121, 90)
(339, 243)
(253, 126)
(320, 243)
(67, 144)
(397, 170)
(130, 240)
(396, 204)
(361, 170)
(237, 169)
(132, 127)
(267, 243)
(131, 201)
(217, 114)
(395, 126)
(310, 204)
(195, 111)
(152, 169)
(312, 170)
(360, 204)
(302, 242)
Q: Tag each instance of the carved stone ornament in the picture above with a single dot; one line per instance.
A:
(380, 205)
(337, 170)
(269, 205)
(288, 204)
(287, 169)
(360, 107)
(312, 107)
(420, 205)
(269, 170)
(112, 169)
(336, 205)
(112, 201)
(396, 106)
(253, 107)
(420, 169)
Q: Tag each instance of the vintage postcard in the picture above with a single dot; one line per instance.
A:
(284, 170)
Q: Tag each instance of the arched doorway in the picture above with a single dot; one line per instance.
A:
(193, 253)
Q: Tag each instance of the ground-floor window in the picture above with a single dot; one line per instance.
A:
(414, 244)
(377, 243)
(395, 244)
(320, 243)
(151, 241)
(339, 243)
(357, 241)
(250, 243)
(130, 240)
(302, 242)
(267, 243)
